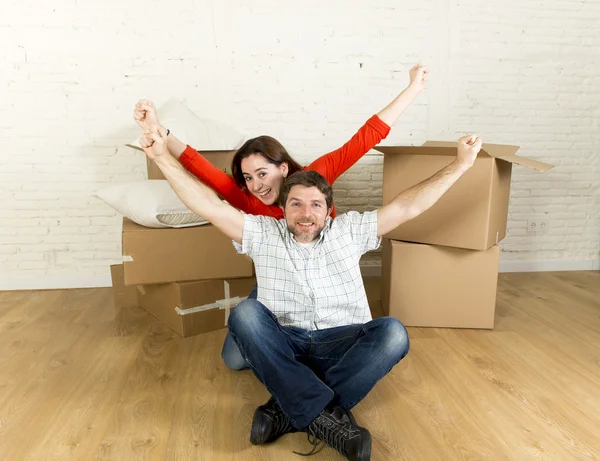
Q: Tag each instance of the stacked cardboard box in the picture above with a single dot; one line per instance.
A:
(188, 278)
(441, 268)
(123, 296)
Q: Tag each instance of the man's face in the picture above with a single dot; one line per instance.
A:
(306, 212)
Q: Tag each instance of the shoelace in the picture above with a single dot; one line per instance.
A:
(314, 442)
(335, 438)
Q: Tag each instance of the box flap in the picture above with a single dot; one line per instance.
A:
(502, 151)
(524, 161)
(495, 150)
(491, 150)
(507, 153)
(440, 144)
(417, 150)
(123, 296)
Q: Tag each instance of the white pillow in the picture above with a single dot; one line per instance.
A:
(200, 133)
(150, 203)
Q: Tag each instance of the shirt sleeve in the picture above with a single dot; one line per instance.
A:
(362, 228)
(224, 185)
(256, 229)
(216, 179)
(335, 163)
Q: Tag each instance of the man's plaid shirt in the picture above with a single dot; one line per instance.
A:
(317, 287)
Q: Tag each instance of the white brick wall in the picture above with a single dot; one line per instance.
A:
(309, 74)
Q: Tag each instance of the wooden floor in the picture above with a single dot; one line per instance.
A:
(81, 380)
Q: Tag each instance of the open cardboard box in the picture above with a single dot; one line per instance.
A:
(473, 213)
(436, 286)
(191, 308)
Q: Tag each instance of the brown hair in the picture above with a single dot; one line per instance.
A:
(272, 151)
(307, 178)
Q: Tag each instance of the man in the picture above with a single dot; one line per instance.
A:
(309, 336)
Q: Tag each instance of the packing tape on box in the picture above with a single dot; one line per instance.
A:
(141, 290)
(225, 304)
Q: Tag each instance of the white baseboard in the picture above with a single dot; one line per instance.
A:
(521, 266)
(549, 265)
(54, 282)
(11, 283)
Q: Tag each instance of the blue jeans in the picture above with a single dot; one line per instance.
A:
(308, 370)
(230, 353)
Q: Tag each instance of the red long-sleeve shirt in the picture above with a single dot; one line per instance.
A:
(331, 166)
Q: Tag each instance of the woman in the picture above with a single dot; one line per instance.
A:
(261, 165)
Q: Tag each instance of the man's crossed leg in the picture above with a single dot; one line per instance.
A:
(315, 377)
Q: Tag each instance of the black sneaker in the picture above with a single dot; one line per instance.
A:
(269, 423)
(338, 429)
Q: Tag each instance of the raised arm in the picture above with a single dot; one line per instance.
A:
(415, 200)
(418, 77)
(216, 179)
(195, 195)
(337, 162)
(146, 116)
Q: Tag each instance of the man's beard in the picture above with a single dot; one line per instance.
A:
(305, 237)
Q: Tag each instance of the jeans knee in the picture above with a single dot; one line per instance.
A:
(395, 338)
(245, 315)
(231, 355)
(235, 361)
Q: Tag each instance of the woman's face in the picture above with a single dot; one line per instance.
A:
(263, 179)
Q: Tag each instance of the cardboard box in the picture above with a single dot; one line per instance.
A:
(220, 158)
(191, 308)
(124, 296)
(178, 255)
(435, 286)
(473, 212)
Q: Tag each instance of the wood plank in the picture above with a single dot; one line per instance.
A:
(81, 379)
